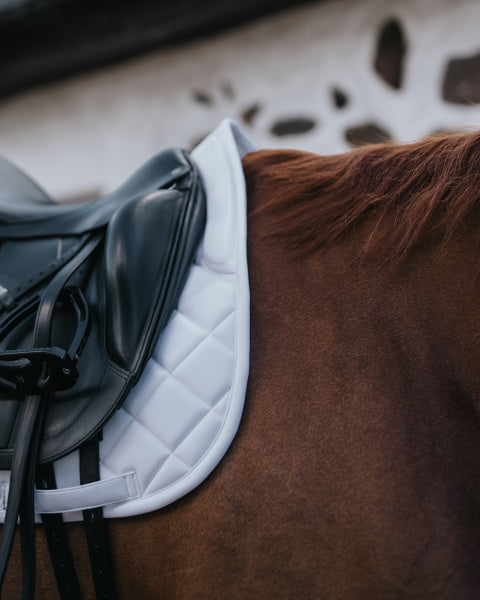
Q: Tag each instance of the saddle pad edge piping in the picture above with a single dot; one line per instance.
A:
(226, 145)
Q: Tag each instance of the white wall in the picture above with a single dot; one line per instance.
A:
(92, 131)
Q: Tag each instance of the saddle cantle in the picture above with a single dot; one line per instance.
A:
(84, 294)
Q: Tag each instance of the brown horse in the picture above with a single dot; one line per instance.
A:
(355, 473)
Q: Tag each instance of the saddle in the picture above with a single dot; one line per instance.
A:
(85, 291)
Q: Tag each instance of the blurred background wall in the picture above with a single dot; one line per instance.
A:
(89, 90)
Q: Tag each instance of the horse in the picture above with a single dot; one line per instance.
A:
(354, 473)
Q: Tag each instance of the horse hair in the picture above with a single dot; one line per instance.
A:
(413, 191)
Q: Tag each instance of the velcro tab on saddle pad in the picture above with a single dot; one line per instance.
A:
(180, 418)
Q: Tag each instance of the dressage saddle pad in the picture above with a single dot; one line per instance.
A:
(179, 420)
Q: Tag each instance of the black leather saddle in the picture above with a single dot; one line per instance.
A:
(85, 291)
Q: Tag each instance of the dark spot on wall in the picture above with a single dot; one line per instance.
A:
(368, 133)
(250, 113)
(390, 53)
(227, 90)
(340, 98)
(461, 84)
(202, 97)
(292, 126)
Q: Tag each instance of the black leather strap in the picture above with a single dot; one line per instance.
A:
(20, 496)
(95, 529)
(20, 465)
(57, 540)
(27, 512)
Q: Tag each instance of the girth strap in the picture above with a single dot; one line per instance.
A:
(57, 540)
(94, 524)
(18, 504)
(95, 531)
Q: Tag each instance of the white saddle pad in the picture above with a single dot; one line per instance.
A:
(179, 420)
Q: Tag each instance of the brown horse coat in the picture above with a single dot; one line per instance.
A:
(355, 473)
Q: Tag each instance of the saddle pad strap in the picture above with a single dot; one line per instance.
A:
(89, 495)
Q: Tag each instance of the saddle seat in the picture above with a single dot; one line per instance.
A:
(27, 211)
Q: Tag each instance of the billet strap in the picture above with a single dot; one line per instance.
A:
(95, 531)
(20, 467)
(94, 523)
(57, 540)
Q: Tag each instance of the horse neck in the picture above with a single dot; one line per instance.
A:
(370, 377)
(410, 327)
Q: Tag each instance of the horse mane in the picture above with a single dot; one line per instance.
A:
(412, 191)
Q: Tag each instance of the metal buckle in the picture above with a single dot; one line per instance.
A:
(39, 370)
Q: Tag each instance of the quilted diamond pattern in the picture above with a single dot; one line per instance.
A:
(189, 374)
